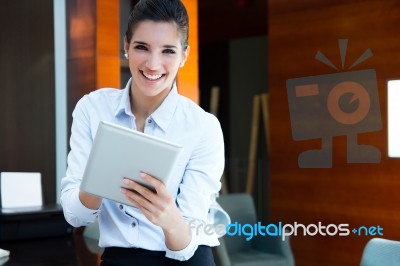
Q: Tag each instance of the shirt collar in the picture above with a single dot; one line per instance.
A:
(162, 116)
(164, 113)
(124, 104)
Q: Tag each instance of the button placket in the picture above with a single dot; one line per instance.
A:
(149, 126)
(133, 229)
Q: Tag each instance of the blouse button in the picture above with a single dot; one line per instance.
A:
(133, 224)
(149, 121)
(121, 206)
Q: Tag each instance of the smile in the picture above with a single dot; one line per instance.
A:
(152, 77)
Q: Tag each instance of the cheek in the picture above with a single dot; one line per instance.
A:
(132, 64)
(172, 64)
(136, 59)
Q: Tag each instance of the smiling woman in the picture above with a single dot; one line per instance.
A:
(154, 60)
(156, 47)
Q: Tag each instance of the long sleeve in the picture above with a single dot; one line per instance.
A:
(81, 141)
(200, 181)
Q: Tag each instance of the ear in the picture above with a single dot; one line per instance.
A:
(126, 45)
(185, 56)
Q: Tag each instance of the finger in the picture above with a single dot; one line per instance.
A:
(154, 182)
(161, 198)
(128, 183)
(142, 190)
(132, 185)
(140, 201)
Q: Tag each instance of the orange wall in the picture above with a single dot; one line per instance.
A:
(188, 77)
(354, 193)
(107, 40)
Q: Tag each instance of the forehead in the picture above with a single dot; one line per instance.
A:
(157, 33)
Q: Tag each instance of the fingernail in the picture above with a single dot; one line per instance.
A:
(142, 175)
(126, 181)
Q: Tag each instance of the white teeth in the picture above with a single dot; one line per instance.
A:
(152, 77)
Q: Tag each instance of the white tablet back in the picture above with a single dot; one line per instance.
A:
(119, 152)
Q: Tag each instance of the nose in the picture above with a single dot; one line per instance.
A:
(153, 61)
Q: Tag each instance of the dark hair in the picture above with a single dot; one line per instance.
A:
(160, 11)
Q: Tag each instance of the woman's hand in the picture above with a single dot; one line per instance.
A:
(159, 208)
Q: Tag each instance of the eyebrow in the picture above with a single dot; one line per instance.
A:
(165, 46)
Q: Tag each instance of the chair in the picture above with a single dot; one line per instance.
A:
(86, 242)
(379, 251)
(260, 250)
(91, 236)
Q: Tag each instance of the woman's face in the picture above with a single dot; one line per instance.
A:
(155, 55)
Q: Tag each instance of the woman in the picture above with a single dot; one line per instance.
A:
(157, 232)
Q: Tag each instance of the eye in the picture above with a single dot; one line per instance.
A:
(141, 47)
(168, 51)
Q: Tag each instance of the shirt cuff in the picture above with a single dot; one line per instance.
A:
(79, 214)
(186, 253)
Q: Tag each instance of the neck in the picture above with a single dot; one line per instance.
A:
(142, 106)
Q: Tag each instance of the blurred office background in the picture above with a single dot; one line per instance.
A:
(52, 52)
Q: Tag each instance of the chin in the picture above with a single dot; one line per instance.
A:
(151, 92)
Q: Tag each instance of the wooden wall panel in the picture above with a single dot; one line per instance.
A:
(81, 51)
(27, 95)
(357, 194)
(93, 47)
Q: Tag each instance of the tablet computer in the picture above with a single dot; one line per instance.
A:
(119, 152)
